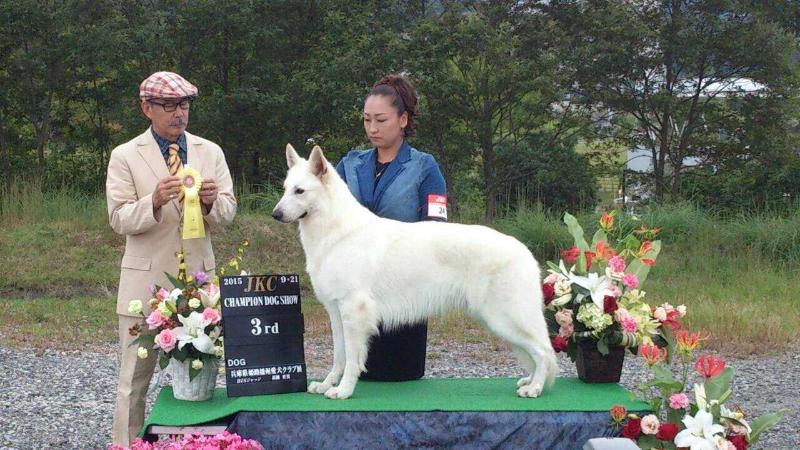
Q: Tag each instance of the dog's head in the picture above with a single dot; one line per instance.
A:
(304, 187)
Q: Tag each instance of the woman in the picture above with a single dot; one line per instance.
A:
(395, 181)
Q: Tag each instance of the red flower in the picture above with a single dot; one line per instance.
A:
(571, 255)
(589, 255)
(604, 251)
(559, 343)
(667, 432)
(618, 413)
(709, 365)
(671, 321)
(549, 291)
(649, 261)
(632, 429)
(645, 248)
(609, 304)
(687, 341)
(739, 441)
(607, 222)
(652, 354)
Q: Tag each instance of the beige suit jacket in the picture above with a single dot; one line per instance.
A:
(134, 170)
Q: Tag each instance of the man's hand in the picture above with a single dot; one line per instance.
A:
(208, 193)
(166, 190)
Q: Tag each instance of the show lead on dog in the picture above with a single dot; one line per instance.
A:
(144, 204)
(395, 181)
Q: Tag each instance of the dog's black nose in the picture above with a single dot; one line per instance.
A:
(277, 215)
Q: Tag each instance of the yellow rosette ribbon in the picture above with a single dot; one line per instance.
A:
(191, 181)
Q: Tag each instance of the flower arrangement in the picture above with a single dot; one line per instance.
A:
(223, 441)
(677, 421)
(599, 297)
(184, 323)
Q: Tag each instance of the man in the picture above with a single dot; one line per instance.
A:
(145, 204)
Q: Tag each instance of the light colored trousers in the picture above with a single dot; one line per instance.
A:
(134, 379)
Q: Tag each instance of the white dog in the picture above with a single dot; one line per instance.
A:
(366, 270)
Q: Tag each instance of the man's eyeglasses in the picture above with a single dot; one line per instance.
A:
(172, 106)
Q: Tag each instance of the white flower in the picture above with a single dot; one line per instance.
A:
(681, 310)
(699, 432)
(700, 395)
(660, 314)
(197, 364)
(141, 353)
(597, 286)
(194, 303)
(175, 294)
(209, 300)
(192, 332)
(562, 287)
(215, 333)
(244, 274)
(561, 301)
(219, 351)
(135, 306)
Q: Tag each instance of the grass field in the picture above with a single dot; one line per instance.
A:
(738, 276)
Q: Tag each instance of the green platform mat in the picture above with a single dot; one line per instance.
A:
(429, 394)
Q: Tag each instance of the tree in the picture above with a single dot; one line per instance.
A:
(490, 65)
(670, 64)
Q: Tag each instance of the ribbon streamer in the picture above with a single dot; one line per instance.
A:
(191, 182)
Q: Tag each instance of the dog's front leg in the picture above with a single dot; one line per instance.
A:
(338, 352)
(359, 322)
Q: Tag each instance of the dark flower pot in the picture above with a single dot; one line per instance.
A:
(594, 367)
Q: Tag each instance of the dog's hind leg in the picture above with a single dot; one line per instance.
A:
(521, 329)
(359, 323)
(526, 362)
(338, 352)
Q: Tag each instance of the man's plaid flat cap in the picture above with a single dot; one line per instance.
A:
(166, 85)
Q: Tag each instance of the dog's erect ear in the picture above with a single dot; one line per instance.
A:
(291, 156)
(319, 165)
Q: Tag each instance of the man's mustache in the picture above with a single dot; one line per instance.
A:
(177, 123)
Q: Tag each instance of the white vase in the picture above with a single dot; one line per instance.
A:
(200, 388)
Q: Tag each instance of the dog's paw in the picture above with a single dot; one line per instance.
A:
(339, 393)
(532, 390)
(524, 381)
(315, 387)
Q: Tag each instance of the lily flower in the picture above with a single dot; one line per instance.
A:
(192, 332)
(699, 432)
(598, 286)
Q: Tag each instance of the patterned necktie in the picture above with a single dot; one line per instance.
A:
(174, 164)
(174, 161)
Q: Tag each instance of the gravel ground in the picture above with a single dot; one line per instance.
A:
(65, 400)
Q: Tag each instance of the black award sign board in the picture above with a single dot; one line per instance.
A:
(263, 334)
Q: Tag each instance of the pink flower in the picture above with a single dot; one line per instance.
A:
(551, 279)
(211, 315)
(566, 330)
(630, 280)
(162, 294)
(212, 290)
(679, 401)
(660, 314)
(617, 264)
(650, 424)
(629, 324)
(614, 291)
(564, 317)
(155, 319)
(166, 339)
